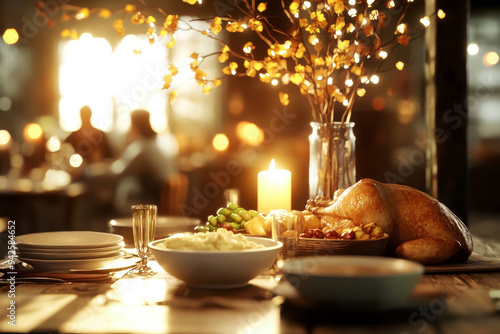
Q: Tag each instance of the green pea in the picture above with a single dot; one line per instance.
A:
(236, 218)
(221, 218)
(245, 215)
(212, 228)
(224, 211)
(236, 226)
(212, 220)
(253, 213)
(238, 210)
(201, 229)
(243, 222)
(232, 206)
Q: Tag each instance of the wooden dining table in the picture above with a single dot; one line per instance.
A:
(451, 298)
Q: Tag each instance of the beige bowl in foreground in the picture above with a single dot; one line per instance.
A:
(350, 281)
(217, 269)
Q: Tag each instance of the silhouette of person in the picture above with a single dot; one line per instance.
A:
(88, 141)
(146, 163)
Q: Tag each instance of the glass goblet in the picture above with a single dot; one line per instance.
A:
(144, 226)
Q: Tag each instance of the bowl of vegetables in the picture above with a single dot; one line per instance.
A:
(231, 217)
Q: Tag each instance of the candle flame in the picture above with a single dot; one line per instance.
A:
(272, 165)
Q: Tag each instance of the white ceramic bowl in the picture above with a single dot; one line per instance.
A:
(353, 281)
(217, 269)
(165, 225)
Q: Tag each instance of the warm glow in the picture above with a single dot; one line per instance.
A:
(425, 21)
(441, 14)
(32, 131)
(249, 133)
(490, 59)
(274, 189)
(378, 103)
(4, 137)
(84, 79)
(383, 54)
(75, 160)
(54, 179)
(272, 165)
(400, 65)
(473, 49)
(375, 79)
(401, 28)
(220, 142)
(53, 144)
(10, 36)
(349, 82)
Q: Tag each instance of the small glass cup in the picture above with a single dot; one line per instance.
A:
(144, 226)
(286, 227)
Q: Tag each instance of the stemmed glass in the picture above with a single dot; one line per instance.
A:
(144, 226)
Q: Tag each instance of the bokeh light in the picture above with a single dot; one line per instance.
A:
(33, 131)
(4, 137)
(75, 160)
(220, 142)
(10, 36)
(490, 59)
(473, 49)
(249, 133)
(53, 144)
(378, 103)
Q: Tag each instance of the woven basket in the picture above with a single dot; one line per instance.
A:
(311, 246)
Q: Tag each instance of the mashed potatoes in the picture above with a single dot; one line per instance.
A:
(220, 240)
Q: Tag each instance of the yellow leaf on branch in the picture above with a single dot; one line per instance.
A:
(170, 23)
(173, 96)
(118, 25)
(216, 25)
(82, 14)
(284, 98)
(173, 70)
(130, 8)
(104, 13)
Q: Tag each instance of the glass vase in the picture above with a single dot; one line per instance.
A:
(332, 160)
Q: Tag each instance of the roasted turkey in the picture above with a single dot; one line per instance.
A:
(420, 227)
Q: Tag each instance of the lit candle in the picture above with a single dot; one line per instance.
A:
(274, 189)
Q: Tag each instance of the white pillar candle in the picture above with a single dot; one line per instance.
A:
(274, 189)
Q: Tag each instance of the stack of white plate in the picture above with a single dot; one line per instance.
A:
(69, 250)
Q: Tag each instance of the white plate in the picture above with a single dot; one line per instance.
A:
(66, 265)
(68, 256)
(115, 248)
(68, 239)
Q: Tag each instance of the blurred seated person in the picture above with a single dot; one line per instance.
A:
(89, 142)
(146, 163)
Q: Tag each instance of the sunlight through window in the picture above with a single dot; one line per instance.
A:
(84, 80)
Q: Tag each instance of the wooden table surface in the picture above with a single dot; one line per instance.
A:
(457, 302)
